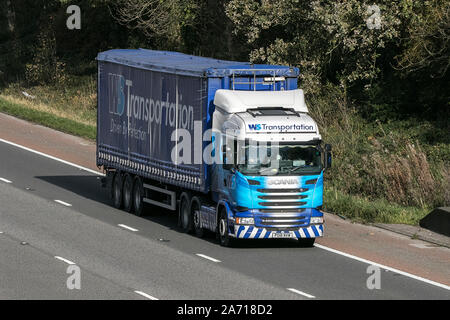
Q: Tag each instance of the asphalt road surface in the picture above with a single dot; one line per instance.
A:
(54, 216)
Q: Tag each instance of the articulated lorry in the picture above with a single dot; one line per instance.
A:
(228, 146)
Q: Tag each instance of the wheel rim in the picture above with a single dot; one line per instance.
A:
(197, 219)
(222, 227)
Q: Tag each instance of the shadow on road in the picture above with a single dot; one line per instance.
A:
(89, 187)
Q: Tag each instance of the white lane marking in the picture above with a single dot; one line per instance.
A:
(63, 203)
(403, 273)
(127, 227)
(146, 295)
(301, 293)
(51, 157)
(5, 180)
(316, 245)
(422, 246)
(65, 260)
(207, 257)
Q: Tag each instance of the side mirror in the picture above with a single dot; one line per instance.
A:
(328, 156)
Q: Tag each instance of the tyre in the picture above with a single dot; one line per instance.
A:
(306, 242)
(127, 193)
(185, 217)
(195, 214)
(138, 197)
(117, 190)
(222, 229)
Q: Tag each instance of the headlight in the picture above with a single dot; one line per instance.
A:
(316, 220)
(245, 221)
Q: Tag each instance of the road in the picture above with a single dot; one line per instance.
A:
(53, 214)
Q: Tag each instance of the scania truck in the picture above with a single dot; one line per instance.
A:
(227, 146)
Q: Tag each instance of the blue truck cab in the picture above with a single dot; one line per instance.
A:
(270, 181)
(229, 146)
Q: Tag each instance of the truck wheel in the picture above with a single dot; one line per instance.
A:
(138, 197)
(306, 242)
(185, 218)
(195, 213)
(117, 190)
(222, 229)
(127, 193)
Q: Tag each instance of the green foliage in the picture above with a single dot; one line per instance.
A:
(361, 209)
(47, 119)
(327, 39)
(45, 67)
(380, 95)
(428, 39)
(378, 160)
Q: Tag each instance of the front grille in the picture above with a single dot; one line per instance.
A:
(284, 197)
(294, 210)
(282, 228)
(282, 204)
(283, 221)
(295, 190)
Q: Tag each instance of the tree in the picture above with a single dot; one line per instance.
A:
(159, 20)
(327, 39)
(427, 39)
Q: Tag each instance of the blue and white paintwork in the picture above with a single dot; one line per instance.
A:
(299, 211)
(252, 232)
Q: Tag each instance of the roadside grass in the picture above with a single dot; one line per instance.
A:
(69, 107)
(75, 99)
(392, 172)
(363, 210)
(48, 119)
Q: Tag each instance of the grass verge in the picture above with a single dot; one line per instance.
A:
(47, 119)
(356, 190)
(363, 210)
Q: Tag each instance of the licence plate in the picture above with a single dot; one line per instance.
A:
(282, 235)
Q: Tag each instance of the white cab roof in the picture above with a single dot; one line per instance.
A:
(233, 101)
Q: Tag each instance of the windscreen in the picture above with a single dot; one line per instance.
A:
(279, 159)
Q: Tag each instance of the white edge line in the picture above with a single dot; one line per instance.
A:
(146, 295)
(5, 180)
(403, 273)
(215, 260)
(127, 227)
(51, 157)
(63, 203)
(65, 260)
(301, 293)
(207, 257)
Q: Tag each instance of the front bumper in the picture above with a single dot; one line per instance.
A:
(251, 232)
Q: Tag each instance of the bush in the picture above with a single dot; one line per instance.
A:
(45, 67)
(376, 160)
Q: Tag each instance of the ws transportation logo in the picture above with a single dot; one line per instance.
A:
(116, 85)
(136, 114)
(281, 127)
(168, 110)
